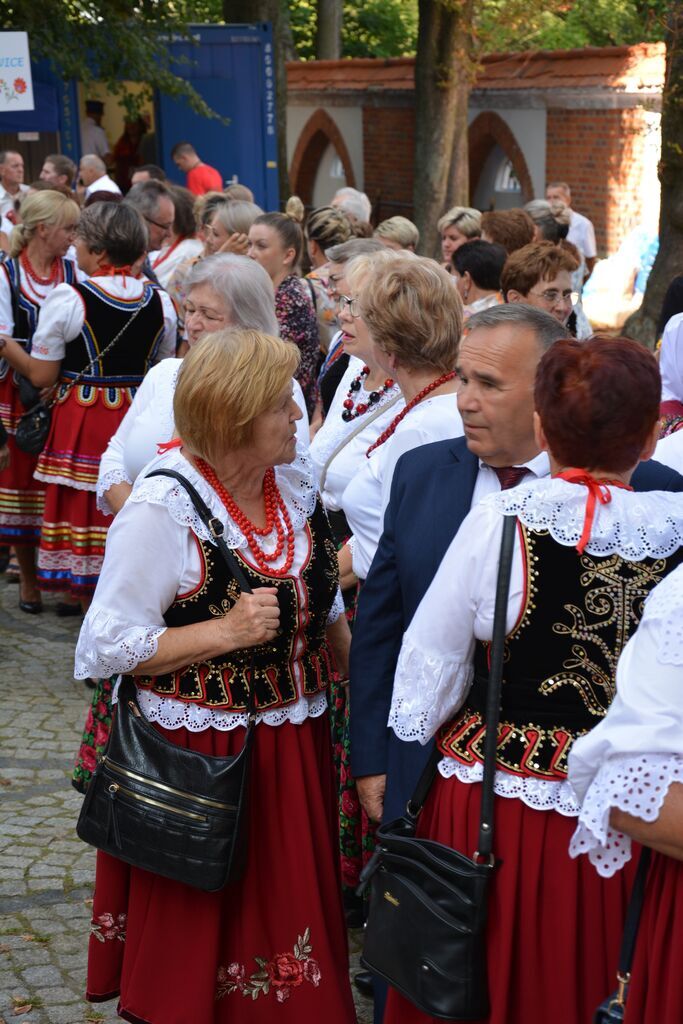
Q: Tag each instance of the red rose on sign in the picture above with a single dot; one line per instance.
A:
(285, 969)
(19, 85)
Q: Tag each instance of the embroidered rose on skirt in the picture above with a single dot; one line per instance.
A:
(281, 974)
(106, 926)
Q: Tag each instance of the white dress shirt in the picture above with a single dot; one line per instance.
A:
(582, 234)
(103, 184)
(7, 199)
(94, 139)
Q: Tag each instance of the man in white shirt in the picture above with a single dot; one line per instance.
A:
(11, 181)
(93, 174)
(581, 231)
(93, 136)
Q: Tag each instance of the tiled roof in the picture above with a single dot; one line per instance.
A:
(625, 68)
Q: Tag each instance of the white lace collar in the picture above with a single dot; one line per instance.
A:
(634, 525)
(296, 483)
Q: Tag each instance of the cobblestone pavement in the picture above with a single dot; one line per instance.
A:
(46, 872)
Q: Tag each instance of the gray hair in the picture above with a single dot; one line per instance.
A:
(92, 160)
(541, 213)
(547, 329)
(354, 202)
(145, 196)
(243, 285)
(346, 251)
(236, 215)
(114, 228)
(538, 209)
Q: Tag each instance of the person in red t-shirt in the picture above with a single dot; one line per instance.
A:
(200, 177)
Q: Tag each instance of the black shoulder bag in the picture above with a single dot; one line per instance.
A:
(426, 930)
(613, 1009)
(161, 807)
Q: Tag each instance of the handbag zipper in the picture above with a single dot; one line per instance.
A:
(112, 766)
(115, 788)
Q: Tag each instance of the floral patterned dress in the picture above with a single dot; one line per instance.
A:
(298, 323)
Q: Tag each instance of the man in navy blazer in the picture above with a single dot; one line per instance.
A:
(432, 490)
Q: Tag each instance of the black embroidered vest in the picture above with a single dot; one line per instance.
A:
(300, 650)
(134, 352)
(560, 659)
(26, 310)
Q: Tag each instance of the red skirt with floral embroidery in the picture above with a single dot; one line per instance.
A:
(554, 925)
(271, 947)
(21, 497)
(656, 992)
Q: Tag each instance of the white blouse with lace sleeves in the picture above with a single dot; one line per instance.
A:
(435, 670)
(143, 570)
(631, 758)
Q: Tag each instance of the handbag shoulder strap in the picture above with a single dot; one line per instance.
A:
(416, 802)
(635, 907)
(212, 523)
(361, 425)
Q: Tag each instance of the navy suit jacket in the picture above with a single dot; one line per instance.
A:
(431, 493)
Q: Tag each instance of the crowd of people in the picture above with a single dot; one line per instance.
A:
(360, 421)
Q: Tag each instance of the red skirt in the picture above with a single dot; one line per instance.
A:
(74, 531)
(270, 947)
(21, 497)
(554, 926)
(656, 992)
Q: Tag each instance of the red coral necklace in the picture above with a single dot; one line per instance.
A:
(32, 276)
(385, 435)
(277, 518)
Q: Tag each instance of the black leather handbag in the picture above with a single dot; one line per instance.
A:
(161, 807)
(426, 929)
(612, 1010)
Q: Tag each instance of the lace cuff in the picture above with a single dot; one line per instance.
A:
(104, 482)
(337, 609)
(107, 646)
(427, 692)
(636, 785)
(178, 714)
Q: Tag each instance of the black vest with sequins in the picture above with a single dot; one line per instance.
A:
(300, 651)
(560, 659)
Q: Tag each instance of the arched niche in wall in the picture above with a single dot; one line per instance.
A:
(489, 136)
(317, 136)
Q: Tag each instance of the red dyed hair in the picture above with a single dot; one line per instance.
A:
(598, 401)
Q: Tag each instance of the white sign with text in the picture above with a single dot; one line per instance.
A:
(16, 84)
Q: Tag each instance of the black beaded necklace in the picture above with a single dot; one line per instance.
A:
(351, 411)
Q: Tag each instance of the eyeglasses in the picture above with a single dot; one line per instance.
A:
(350, 303)
(551, 295)
(163, 227)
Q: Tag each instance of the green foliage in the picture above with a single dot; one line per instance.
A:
(504, 24)
(371, 28)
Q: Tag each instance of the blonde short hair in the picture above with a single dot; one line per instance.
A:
(399, 230)
(465, 218)
(414, 312)
(226, 380)
(46, 207)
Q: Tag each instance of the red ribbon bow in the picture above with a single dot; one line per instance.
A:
(598, 491)
(165, 446)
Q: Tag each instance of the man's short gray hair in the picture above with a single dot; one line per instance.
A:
(243, 285)
(92, 160)
(354, 202)
(346, 251)
(145, 197)
(547, 329)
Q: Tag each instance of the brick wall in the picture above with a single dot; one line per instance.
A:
(600, 153)
(388, 148)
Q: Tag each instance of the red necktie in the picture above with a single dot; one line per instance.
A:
(509, 476)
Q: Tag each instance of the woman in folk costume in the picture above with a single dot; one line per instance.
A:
(96, 341)
(37, 264)
(588, 551)
(271, 946)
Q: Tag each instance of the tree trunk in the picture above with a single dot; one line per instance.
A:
(443, 73)
(642, 325)
(277, 13)
(328, 30)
